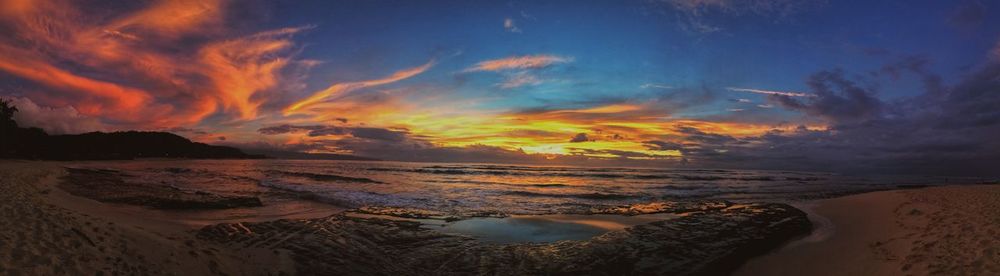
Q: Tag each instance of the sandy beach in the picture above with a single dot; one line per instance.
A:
(948, 230)
(47, 230)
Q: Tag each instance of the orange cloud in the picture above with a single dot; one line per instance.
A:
(172, 18)
(105, 98)
(126, 67)
(341, 88)
(241, 68)
(521, 62)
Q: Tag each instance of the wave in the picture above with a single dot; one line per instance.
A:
(540, 185)
(547, 185)
(682, 188)
(306, 194)
(580, 174)
(325, 177)
(594, 196)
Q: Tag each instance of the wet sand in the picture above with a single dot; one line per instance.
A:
(948, 230)
(47, 231)
(50, 231)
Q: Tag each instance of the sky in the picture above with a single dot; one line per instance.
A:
(850, 86)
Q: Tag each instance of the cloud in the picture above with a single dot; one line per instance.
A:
(341, 88)
(54, 120)
(770, 92)
(519, 62)
(157, 64)
(283, 129)
(519, 79)
(580, 137)
(663, 145)
(379, 134)
(324, 130)
(759, 7)
(98, 97)
(968, 15)
(946, 130)
(837, 99)
(709, 16)
(172, 18)
(995, 54)
(656, 86)
(240, 68)
(524, 65)
(508, 25)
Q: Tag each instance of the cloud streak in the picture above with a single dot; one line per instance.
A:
(519, 62)
(341, 88)
(656, 86)
(771, 92)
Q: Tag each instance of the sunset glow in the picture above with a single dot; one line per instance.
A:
(516, 80)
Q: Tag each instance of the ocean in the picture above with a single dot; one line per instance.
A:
(467, 189)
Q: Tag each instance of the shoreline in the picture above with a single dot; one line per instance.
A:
(931, 230)
(234, 245)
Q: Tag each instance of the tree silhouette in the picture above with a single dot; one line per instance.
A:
(7, 111)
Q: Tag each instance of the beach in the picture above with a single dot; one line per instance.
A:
(46, 231)
(948, 230)
(54, 227)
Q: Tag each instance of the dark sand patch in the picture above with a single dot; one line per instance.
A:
(109, 186)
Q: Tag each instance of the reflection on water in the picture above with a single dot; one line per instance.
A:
(485, 188)
(506, 230)
(544, 228)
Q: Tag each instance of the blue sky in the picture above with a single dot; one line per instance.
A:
(617, 46)
(650, 82)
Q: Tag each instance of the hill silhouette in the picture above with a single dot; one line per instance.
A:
(34, 143)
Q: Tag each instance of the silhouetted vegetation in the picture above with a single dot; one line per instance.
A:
(34, 143)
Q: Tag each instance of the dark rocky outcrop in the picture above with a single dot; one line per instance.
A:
(34, 143)
(710, 242)
(109, 186)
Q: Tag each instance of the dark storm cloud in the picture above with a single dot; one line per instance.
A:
(969, 14)
(580, 137)
(620, 154)
(838, 99)
(696, 135)
(663, 145)
(328, 131)
(321, 130)
(282, 129)
(379, 134)
(946, 130)
(918, 66)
